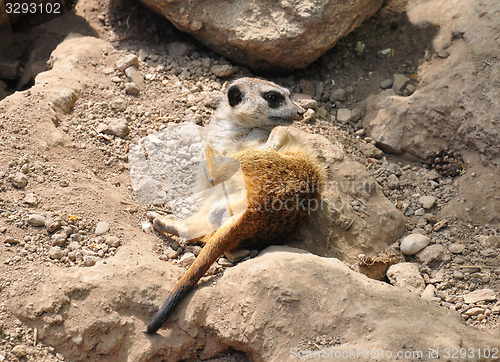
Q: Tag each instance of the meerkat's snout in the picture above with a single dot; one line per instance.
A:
(300, 112)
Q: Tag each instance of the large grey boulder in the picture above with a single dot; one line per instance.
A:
(267, 34)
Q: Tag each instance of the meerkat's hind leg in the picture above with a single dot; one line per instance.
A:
(163, 224)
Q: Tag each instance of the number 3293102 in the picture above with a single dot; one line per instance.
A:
(32, 8)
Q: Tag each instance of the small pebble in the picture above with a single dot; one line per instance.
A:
(414, 243)
(187, 259)
(59, 238)
(90, 260)
(102, 227)
(407, 276)
(474, 311)
(371, 151)
(19, 180)
(488, 253)
(235, 256)
(31, 199)
(131, 88)
(170, 253)
(456, 248)
(410, 88)
(11, 240)
(434, 254)
(457, 274)
(427, 202)
(386, 84)
(108, 71)
(224, 262)
(36, 220)
(338, 94)
(392, 182)
(73, 246)
(305, 101)
(112, 240)
(147, 227)
(136, 77)
(116, 127)
(222, 71)
(127, 61)
(420, 212)
(55, 253)
(53, 225)
(344, 115)
(309, 116)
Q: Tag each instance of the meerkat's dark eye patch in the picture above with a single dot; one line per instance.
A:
(274, 99)
(234, 95)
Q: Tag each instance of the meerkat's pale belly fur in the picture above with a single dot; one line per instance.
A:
(283, 180)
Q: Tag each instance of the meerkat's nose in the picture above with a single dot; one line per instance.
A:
(301, 111)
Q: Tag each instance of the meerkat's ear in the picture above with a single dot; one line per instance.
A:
(234, 95)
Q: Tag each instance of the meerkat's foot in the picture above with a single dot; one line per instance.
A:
(163, 224)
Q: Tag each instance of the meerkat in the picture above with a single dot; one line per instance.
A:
(282, 178)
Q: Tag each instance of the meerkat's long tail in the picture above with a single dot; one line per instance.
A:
(228, 236)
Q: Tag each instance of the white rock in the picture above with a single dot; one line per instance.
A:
(486, 295)
(101, 228)
(407, 276)
(428, 292)
(413, 243)
(147, 227)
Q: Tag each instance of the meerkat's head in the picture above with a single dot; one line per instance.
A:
(251, 102)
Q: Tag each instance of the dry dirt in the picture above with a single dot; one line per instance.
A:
(55, 164)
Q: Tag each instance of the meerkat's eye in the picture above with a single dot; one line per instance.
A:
(274, 99)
